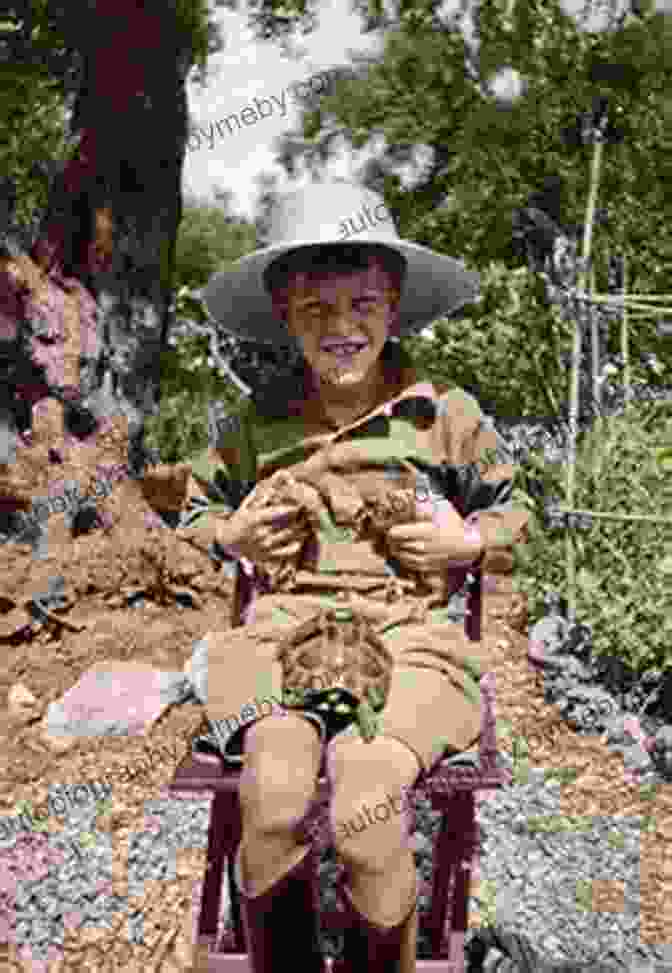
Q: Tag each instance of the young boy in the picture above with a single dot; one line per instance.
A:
(371, 485)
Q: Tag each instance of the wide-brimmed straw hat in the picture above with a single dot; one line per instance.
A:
(329, 213)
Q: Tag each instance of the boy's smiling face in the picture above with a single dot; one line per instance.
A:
(341, 320)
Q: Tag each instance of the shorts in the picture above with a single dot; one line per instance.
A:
(433, 705)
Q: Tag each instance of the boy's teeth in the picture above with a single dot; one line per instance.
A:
(336, 346)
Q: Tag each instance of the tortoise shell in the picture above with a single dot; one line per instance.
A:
(336, 649)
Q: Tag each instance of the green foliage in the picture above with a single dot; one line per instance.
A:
(193, 21)
(278, 19)
(508, 353)
(487, 903)
(521, 764)
(508, 349)
(26, 808)
(565, 775)
(647, 792)
(555, 823)
(39, 82)
(584, 895)
(622, 592)
(647, 823)
(209, 240)
(104, 806)
(488, 154)
(188, 384)
(32, 107)
(616, 839)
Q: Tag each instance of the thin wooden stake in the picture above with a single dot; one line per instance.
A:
(612, 298)
(624, 336)
(595, 349)
(576, 365)
(618, 302)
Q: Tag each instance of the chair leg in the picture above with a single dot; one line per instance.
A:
(223, 836)
(282, 924)
(374, 948)
(466, 849)
(236, 914)
(447, 921)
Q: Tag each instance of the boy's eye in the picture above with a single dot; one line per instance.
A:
(359, 305)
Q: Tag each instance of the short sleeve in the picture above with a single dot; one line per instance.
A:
(486, 471)
(224, 427)
(503, 452)
(226, 468)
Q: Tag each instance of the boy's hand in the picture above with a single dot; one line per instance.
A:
(428, 548)
(269, 534)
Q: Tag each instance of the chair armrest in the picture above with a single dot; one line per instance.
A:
(474, 770)
(473, 623)
(205, 774)
(463, 773)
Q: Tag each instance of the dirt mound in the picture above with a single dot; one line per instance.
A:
(130, 592)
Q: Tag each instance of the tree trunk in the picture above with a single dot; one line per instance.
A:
(114, 211)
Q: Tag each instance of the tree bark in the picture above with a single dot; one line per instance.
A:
(114, 211)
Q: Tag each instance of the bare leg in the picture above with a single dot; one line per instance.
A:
(371, 833)
(282, 759)
(274, 872)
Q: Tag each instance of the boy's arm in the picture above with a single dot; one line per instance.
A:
(503, 523)
(216, 489)
(487, 472)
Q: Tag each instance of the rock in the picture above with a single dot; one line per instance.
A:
(664, 738)
(577, 670)
(662, 753)
(615, 730)
(16, 622)
(421, 843)
(165, 486)
(547, 638)
(116, 699)
(196, 670)
(21, 703)
(636, 759)
(519, 824)
(517, 615)
(56, 743)
(666, 695)
(584, 708)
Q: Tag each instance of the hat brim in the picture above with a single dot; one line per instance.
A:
(434, 285)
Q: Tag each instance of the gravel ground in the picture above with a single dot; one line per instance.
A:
(539, 876)
(538, 873)
(70, 886)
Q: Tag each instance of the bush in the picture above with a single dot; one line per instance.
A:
(189, 382)
(622, 567)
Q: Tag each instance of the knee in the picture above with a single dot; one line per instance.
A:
(371, 827)
(282, 757)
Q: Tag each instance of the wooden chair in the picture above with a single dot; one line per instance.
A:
(452, 788)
